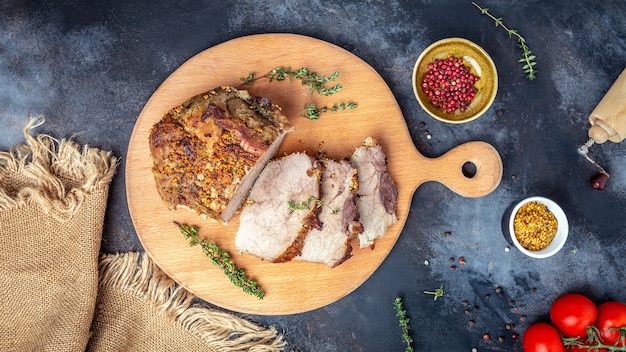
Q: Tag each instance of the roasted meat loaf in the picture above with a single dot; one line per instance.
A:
(208, 151)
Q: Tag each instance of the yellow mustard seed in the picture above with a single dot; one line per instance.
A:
(535, 226)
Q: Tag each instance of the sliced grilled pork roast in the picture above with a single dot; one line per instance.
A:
(377, 194)
(208, 151)
(339, 216)
(282, 209)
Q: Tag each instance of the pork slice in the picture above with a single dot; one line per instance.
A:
(377, 195)
(339, 216)
(281, 209)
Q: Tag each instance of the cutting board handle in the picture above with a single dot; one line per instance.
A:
(448, 169)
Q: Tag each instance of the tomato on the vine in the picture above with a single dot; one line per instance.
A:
(572, 313)
(611, 323)
(542, 337)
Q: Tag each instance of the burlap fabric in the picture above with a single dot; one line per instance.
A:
(58, 293)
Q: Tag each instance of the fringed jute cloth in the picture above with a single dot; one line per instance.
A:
(58, 293)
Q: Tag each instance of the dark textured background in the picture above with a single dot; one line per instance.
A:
(89, 67)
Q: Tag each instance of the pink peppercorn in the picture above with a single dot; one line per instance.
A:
(449, 84)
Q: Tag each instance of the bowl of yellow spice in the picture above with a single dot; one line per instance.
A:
(538, 227)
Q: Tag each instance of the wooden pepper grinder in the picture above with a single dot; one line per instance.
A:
(608, 123)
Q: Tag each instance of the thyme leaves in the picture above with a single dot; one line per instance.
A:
(439, 292)
(528, 59)
(323, 85)
(311, 112)
(302, 205)
(404, 323)
(221, 259)
(306, 205)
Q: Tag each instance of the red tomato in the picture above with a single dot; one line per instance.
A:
(542, 337)
(612, 317)
(572, 314)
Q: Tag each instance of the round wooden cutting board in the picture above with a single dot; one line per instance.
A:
(291, 287)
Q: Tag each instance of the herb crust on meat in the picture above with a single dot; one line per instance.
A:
(208, 151)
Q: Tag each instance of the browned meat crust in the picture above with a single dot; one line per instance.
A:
(208, 151)
(310, 222)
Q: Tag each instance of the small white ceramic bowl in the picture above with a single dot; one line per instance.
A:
(561, 234)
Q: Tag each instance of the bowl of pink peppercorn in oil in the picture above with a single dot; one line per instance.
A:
(455, 80)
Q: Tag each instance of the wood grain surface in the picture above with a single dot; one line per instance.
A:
(291, 287)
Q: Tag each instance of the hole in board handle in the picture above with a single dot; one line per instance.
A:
(469, 169)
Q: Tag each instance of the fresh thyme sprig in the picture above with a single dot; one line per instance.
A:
(317, 85)
(222, 259)
(436, 293)
(315, 82)
(305, 205)
(404, 323)
(528, 59)
(313, 113)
